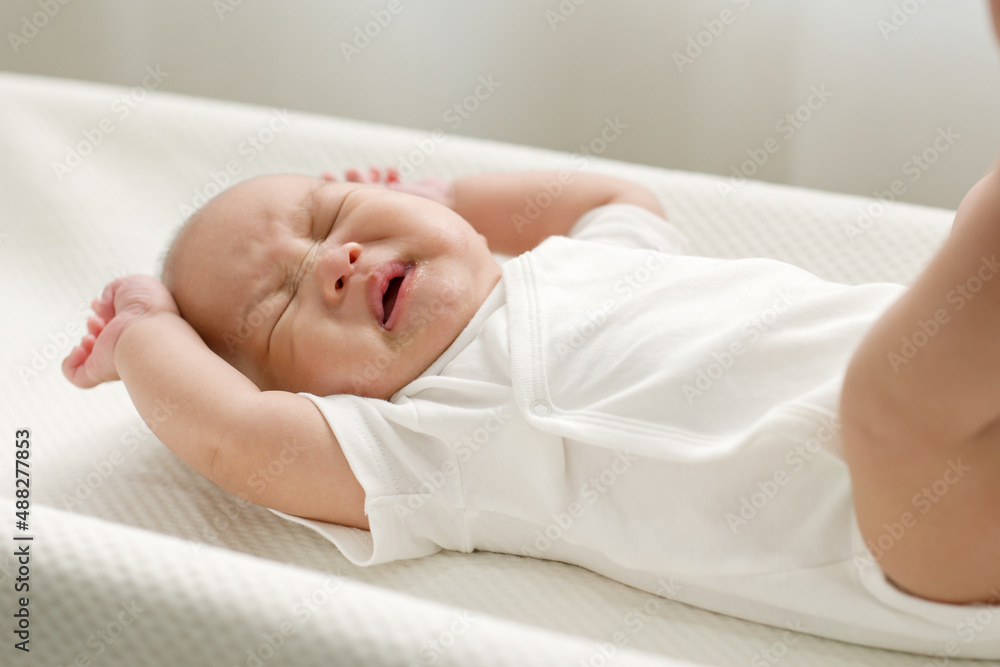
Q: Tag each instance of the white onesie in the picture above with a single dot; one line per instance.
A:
(665, 420)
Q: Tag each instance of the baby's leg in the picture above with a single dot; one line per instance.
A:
(921, 418)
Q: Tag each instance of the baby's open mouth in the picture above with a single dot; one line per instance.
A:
(388, 292)
(389, 298)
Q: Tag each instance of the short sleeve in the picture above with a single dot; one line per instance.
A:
(413, 498)
(630, 226)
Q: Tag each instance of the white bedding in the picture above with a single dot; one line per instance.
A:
(138, 560)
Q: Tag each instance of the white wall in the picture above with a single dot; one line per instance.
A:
(559, 80)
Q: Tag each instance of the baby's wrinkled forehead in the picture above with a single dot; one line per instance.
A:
(226, 258)
(249, 219)
(264, 206)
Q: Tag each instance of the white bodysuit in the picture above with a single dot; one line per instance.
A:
(665, 420)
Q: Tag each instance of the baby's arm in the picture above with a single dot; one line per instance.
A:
(215, 419)
(517, 211)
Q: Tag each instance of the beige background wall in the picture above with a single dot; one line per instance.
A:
(871, 86)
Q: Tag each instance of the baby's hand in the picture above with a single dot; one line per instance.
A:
(123, 301)
(433, 188)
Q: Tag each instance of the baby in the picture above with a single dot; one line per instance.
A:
(600, 399)
(302, 284)
(381, 304)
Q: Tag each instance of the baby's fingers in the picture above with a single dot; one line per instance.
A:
(374, 176)
(104, 305)
(87, 344)
(73, 364)
(95, 325)
(355, 176)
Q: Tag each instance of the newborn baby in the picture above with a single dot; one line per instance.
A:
(304, 285)
(601, 399)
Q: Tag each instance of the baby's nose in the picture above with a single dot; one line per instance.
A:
(334, 268)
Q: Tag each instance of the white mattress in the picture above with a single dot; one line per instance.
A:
(138, 560)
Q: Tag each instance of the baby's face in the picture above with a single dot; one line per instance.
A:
(327, 288)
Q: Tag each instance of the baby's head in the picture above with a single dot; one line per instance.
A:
(308, 285)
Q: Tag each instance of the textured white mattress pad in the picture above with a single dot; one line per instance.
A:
(138, 560)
